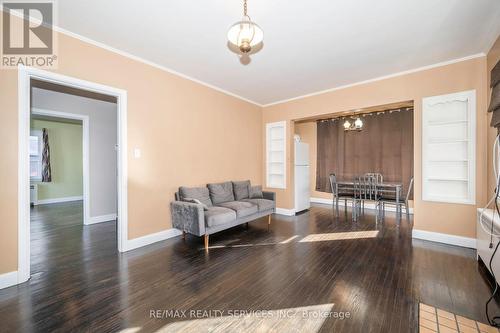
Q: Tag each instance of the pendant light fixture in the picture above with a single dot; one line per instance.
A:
(245, 34)
(356, 126)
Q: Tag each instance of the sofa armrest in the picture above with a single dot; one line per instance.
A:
(269, 195)
(188, 217)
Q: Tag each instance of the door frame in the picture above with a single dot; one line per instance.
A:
(25, 74)
(85, 150)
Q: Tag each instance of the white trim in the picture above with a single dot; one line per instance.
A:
(152, 238)
(85, 150)
(101, 218)
(24, 98)
(444, 238)
(468, 96)
(380, 78)
(285, 211)
(368, 205)
(58, 200)
(8, 279)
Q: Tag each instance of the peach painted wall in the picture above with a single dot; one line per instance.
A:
(492, 58)
(455, 219)
(189, 134)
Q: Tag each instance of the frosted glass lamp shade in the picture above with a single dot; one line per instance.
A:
(245, 34)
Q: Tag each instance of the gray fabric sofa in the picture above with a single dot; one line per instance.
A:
(202, 211)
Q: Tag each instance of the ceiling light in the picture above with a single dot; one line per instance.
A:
(245, 34)
(357, 125)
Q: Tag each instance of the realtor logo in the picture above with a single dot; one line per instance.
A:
(28, 37)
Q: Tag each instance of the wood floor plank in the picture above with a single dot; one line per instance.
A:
(80, 281)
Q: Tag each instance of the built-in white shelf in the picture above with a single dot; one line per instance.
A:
(448, 148)
(276, 155)
(440, 142)
(448, 179)
(448, 161)
(449, 122)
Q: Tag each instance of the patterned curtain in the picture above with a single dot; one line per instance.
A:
(46, 171)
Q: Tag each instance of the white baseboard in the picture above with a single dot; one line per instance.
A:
(8, 279)
(285, 211)
(444, 238)
(151, 238)
(58, 200)
(368, 205)
(101, 218)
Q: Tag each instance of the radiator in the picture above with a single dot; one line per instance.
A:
(484, 251)
(33, 194)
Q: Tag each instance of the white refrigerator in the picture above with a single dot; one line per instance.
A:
(302, 177)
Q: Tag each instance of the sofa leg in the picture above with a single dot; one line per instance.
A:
(183, 235)
(206, 242)
(268, 222)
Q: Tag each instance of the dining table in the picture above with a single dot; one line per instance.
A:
(395, 188)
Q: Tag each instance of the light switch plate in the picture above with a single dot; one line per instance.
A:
(137, 153)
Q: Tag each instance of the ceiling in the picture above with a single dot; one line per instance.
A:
(309, 46)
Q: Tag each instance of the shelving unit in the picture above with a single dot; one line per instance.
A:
(276, 155)
(448, 148)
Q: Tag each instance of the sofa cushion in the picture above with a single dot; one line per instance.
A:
(221, 192)
(256, 192)
(263, 204)
(196, 201)
(215, 216)
(241, 189)
(241, 208)
(200, 193)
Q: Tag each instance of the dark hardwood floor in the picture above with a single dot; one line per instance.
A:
(80, 282)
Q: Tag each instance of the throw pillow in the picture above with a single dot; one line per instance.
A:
(196, 201)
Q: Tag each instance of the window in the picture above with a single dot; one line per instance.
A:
(275, 154)
(448, 147)
(36, 155)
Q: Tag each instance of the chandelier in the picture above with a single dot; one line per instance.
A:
(357, 125)
(245, 34)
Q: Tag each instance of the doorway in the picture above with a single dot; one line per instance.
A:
(26, 75)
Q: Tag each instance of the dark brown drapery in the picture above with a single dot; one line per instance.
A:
(495, 96)
(384, 145)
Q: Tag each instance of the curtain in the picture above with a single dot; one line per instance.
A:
(384, 145)
(46, 171)
(495, 96)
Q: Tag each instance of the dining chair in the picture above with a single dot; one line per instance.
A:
(371, 180)
(339, 192)
(358, 197)
(389, 198)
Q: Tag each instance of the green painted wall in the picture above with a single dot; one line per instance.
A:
(65, 141)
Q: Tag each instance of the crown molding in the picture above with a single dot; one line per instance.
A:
(380, 78)
(176, 73)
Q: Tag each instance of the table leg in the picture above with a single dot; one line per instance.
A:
(398, 208)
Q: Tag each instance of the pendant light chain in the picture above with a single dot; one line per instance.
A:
(245, 8)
